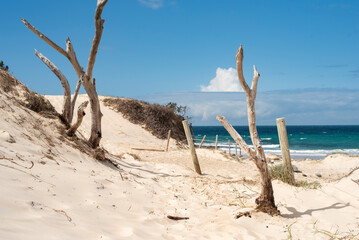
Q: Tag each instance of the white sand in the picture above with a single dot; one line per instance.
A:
(69, 195)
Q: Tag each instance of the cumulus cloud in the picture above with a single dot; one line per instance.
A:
(154, 4)
(226, 80)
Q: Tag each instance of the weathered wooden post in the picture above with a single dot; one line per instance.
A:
(229, 147)
(236, 149)
(202, 141)
(216, 142)
(168, 140)
(191, 146)
(284, 146)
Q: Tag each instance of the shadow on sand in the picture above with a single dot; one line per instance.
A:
(295, 213)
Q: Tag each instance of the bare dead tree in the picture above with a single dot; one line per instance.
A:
(84, 77)
(265, 202)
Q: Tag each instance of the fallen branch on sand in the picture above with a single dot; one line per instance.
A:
(176, 218)
(148, 149)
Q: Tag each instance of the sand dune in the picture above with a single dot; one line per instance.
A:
(69, 195)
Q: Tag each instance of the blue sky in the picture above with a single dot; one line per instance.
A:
(156, 48)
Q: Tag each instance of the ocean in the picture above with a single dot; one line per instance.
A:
(313, 142)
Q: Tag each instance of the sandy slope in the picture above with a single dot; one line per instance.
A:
(69, 195)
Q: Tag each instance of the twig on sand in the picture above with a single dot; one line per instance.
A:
(241, 214)
(32, 175)
(63, 212)
(148, 149)
(289, 229)
(12, 161)
(176, 218)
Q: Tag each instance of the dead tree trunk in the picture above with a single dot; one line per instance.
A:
(265, 202)
(84, 78)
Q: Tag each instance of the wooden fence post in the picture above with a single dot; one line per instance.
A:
(229, 147)
(236, 149)
(216, 142)
(284, 146)
(168, 140)
(202, 141)
(191, 146)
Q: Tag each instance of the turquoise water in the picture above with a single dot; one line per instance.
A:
(304, 141)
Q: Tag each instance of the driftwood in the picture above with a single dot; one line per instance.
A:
(80, 115)
(149, 149)
(84, 77)
(176, 218)
(265, 202)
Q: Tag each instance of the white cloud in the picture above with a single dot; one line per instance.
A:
(154, 4)
(226, 80)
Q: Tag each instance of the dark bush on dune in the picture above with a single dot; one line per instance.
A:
(157, 119)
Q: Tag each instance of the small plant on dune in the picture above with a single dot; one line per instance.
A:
(278, 172)
(179, 110)
(3, 66)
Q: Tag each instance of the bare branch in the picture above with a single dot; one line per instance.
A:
(71, 55)
(74, 98)
(239, 62)
(236, 137)
(43, 37)
(66, 112)
(255, 81)
(80, 115)
(96, 41)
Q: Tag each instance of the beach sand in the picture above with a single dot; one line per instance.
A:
(69, 195)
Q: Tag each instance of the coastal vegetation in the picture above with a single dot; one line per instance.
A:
(3, 66)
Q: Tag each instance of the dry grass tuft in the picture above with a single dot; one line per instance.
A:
(7, 81)
(277, 172)
(29, 99)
